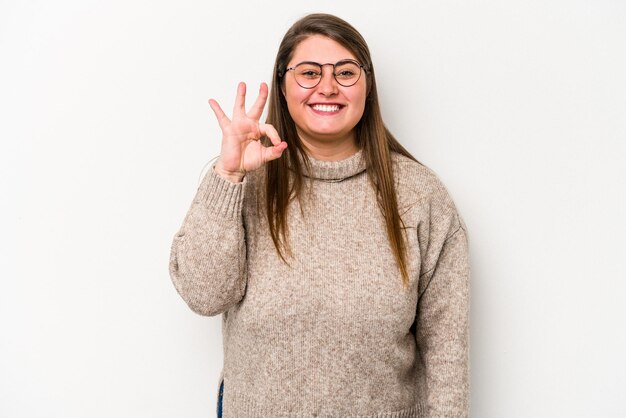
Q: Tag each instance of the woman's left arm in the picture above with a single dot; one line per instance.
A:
(442, 331)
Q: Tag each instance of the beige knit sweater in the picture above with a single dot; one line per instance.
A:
(335, 334)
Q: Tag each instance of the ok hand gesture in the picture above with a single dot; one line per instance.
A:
(242, 150)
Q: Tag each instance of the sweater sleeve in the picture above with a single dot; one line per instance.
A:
(442, 330)
(208, 254)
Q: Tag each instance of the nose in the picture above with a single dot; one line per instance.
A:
(327, 84)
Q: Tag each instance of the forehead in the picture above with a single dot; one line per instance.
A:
(320, 49)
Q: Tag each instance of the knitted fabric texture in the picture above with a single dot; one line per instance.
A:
(334, 333)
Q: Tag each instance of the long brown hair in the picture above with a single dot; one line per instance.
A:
(371, 134)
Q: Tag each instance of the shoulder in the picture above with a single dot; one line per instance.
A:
(418, 183)
(423, 197)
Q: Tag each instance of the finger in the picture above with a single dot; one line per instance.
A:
(257, 108)
(269, 131)
(240, 100)
(272, 153)
(222, 119)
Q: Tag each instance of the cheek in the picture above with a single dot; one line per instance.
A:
(358, 98)
(293, 93)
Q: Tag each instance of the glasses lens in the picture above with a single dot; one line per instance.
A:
(347, 73)
(308, 74)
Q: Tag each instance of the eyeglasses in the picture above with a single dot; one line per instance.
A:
(308, 74)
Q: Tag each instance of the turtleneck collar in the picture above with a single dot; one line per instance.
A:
(334, 171)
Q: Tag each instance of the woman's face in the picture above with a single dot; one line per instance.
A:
(329, 111)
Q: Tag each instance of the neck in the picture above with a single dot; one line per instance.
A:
(335, 150)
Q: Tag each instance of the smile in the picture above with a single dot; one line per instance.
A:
(326, 108)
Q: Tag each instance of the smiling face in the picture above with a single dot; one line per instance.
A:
(325, 115)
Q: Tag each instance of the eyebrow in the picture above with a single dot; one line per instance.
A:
(327, 63)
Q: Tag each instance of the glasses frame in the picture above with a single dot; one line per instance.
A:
(362, 69)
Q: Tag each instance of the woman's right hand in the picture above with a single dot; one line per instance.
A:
(242, 150)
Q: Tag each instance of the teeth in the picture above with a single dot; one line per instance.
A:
(326, 108)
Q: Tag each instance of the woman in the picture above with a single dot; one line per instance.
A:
(339, 262)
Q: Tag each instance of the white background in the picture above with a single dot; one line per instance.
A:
(519, 106)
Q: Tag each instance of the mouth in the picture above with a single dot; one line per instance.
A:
(326, 109)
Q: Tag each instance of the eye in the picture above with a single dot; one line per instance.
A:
(310, 73)
(347, 70)
(346, 74)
